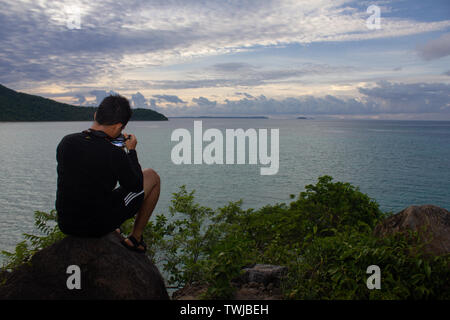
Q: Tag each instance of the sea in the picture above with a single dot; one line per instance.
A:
(397, 163)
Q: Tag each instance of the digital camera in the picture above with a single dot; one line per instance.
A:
(119, 141)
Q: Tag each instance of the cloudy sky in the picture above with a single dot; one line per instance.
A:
(248, 57)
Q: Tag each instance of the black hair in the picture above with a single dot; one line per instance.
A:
(113, 109)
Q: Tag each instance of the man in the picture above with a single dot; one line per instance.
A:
(89, 167)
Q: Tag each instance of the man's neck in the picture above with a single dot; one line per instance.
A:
(106, 129)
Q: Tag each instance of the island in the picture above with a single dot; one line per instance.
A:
(18, 106)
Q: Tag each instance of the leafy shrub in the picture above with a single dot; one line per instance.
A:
(324, 237)
(335, 268)
(49, 233)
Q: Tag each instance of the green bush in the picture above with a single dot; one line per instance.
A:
(48, 233)
(324, 237)
(335, 268)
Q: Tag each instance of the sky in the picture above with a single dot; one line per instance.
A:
(283, 58)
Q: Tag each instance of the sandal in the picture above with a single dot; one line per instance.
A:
(136, 244)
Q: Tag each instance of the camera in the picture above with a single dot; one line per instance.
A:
(119, 141)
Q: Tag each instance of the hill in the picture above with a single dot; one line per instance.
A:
(18, 106)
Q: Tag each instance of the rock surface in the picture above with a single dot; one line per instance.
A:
(258, 282)
(108, 271)
(432, 223)
(264, 273)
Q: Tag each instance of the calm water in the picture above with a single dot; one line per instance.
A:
(398, 163)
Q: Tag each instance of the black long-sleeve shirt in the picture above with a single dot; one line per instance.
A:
(89, 168)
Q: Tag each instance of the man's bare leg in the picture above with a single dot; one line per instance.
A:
(152, 188)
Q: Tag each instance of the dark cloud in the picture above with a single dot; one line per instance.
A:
(168, 98)
(409, 98)
(262, 105)
(244, 94)
(385, 98)
(204, 102)
(246, 77)
(138, 100)
(35, 49)
(100, 95)
(436, 48)
(38, 45)
(232, 66)
(153, 103)
(79, 99)
(193, 84)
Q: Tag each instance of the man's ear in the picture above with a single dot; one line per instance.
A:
(118, 127)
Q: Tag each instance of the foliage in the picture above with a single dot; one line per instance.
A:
(324, 237)
(185, 248)
(49, 233)
(335, 268)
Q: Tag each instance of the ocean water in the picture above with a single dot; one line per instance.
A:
(397, 163)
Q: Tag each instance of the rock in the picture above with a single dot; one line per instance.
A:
(251, 292)
(431, 222)
(258, 282)
(263, 273)
(108, 271)
(190, 292)
(248, 293)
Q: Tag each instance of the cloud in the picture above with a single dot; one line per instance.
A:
(244, 94)
(384, 98)
(79, 99)
(436, 48)
(232, 66)
(409, 98)
(204, 102)
(38, 45)
(262, 105)
(247, 75)
(153, 103)
(168, 98)
(447, 73)
(100, 95)
(138, 100)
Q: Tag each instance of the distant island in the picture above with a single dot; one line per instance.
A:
(220, 117)
(17, 106)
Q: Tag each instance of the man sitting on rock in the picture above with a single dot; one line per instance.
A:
(89, 167)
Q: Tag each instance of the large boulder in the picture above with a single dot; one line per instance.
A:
(256, 282)
(431, 222)
(108, 270)
(263, 273)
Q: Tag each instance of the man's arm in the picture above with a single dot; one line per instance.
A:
(127, 167)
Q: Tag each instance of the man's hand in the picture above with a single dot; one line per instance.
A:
(131, 141)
